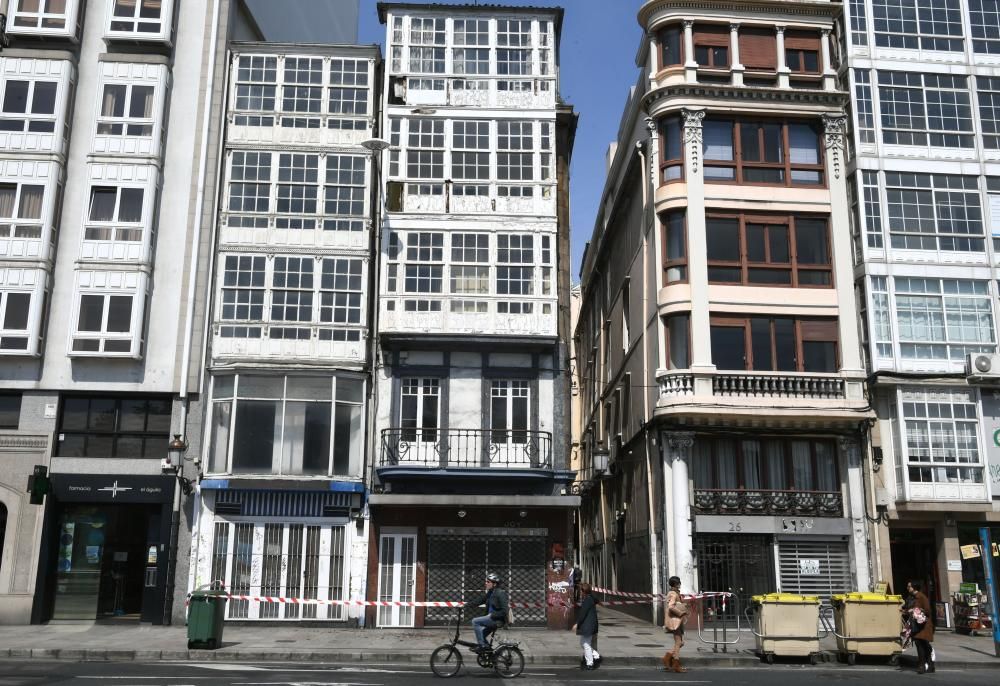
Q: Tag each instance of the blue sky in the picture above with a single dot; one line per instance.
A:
(599, 41)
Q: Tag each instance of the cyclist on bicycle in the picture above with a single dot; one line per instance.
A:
(495, 600)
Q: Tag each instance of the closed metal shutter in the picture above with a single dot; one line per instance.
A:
(457, 567)
(820, 568)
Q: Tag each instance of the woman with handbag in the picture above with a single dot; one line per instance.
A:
(921, 627)
(674, 618)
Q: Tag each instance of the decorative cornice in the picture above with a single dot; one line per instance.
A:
(22, 442)
(679, 443)
(822, 98)
(835, 136)
(750, 10)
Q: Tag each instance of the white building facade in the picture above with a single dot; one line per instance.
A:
(470, 404)
(925, 189)
(98, 185)
(281, 504)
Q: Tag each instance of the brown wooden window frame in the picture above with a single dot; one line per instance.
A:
(797, 44)
(792, 266)
(788, 469)
(671, 164)
(666, 338)
(661, 42)
(679, 262)
(709, 36)
(813, 333)
(741, 166)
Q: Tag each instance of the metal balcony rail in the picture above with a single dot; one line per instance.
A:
(466, 448)
(726, 501)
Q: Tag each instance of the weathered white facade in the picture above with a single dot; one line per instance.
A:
(471, 406)
(925, 188)
(99, 179)
(718, 354)
(289, 333)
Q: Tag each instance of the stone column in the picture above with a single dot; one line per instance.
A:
(855, 509)
(657, 260)
(690, 65)
(835, 138)
(829, 75)
(783, 70)
(678, 454)
(734, 50)
(701, 349)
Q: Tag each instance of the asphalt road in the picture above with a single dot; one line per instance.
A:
(33, 672)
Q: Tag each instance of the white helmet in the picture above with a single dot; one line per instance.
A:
(495, 578)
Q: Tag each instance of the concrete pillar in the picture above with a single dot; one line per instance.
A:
(855, 509)
(690, 66)
(946, 533)
(734, 50)
(829, 75)
(835, 138)
(678, 454)
(783, 70)
(656, 259)
(701, 349)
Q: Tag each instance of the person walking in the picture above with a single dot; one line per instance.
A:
(674, 619)
(921, 627)
(586, 627)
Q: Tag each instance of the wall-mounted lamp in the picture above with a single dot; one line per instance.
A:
(175, 453)
(877, 458)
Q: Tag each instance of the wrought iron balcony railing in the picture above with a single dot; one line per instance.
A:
(723, 501)
(466, 449)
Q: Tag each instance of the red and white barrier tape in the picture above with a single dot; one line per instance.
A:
(659, 596)
(391, 603)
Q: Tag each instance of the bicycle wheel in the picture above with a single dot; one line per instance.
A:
(508, 661)
(446, 661)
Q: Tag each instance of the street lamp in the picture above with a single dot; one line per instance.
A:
(599, 458)
(375, 145)
(175, 452)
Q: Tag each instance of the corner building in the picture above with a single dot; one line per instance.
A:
(925, 194)
(471, 401)
(720, 366)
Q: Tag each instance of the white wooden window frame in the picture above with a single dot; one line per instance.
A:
(20, 21)
(107, 284)
(115, 28)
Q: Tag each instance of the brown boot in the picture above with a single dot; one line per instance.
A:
(668, 661)
(677, 666)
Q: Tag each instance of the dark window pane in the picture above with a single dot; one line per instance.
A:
(316, 438)
(811, 241)
(102, 414)
(15, 315)
(811, 277)
(773, 148)
(672, 139)
(72, 445)
(760, 337)
(158, 419)
(728, 347)
(756, 243)
(120, 313)
(133, 415)
(718, 140)
(15, 97)
(10, 410)
(102, 204)
(778, 240)
(100, 445)
(750, 142)
(725, 274)
(723, 240)
(763, 175)
(820, 356)
(770, 276)
(784, 344)
(345, 418)
(253, 436)
(44, 101)
(132, 446)
(91, 313)
(74, 414)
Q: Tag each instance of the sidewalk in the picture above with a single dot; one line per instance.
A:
(623, 641)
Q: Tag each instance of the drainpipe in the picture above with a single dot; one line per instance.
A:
(175, 519)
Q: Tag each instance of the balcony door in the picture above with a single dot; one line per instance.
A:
(420, 421)
(511, 443)
(397, 578)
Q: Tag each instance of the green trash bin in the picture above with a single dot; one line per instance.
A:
(206, 616)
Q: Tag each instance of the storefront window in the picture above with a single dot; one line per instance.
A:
(289, 425)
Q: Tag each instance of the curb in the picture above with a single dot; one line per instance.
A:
(421, 657)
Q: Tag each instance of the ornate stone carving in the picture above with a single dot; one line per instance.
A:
(653, 164)
(693, 134)
(679, 443)
(835, 138)
(22, 442)
(851, 447)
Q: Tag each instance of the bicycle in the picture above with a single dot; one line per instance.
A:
(506, 658)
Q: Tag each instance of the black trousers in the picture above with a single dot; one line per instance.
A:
(923, 653)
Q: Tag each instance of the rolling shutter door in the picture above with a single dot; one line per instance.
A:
(802, 40)
(758, 49)
(711, 35)
(820, 568)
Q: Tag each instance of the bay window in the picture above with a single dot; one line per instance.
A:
(763, 152)
(21, 210)
(671, 40)
(29, 106)
(287, 425)
(140, 17)
(943, 319)
(711, 46)
(15, 308)
(918, 24)
(941, 428)
(44, 16)
(934, 212)
(984, 17)
(925, 109)
(115, 214)
(779, 344)
(761, 250)
(105, 324)
(126, 110)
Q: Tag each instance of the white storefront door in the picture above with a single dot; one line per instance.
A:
(397, 578)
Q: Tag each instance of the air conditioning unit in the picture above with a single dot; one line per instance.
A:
(982, 366)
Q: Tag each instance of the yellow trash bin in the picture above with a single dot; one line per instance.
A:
(867, 624)
(786, 625)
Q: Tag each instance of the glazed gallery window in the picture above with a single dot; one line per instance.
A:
(988, 92)
(763, 152)
(984, 16)
(918, 24)
(515, 272)
(41, 14)
(943, 319)
(14, 310)
(768, 464)
(934, 212)
(471, 54)
(942, 436)
(427, 45)
(287, 425)
(29, 106)
(424, 271)
(774, 344)
(470, 157)
(287, 297)
(302, 91)
(674, 247)
(126, 110)
(671, 41)
(21, 210)
(671, 149)
(104, 324)
(302, 191)
(115, 214)
(758, 250)
(425, 154)
(109, 426)
(470, 269)
(925, 109)
(137, 16)
(513, 47)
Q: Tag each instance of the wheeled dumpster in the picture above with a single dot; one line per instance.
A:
(867, 624)
(206, 616)
(785, 625)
